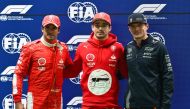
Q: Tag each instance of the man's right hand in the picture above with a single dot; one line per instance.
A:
(19, 105)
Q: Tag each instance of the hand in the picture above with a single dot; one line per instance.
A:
(19, 105)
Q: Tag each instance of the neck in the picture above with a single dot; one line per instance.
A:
(138, 41)
(101, 39)
(47, 43)
(51, 41)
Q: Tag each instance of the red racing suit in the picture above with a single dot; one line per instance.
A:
(100, 61)
(44, 65)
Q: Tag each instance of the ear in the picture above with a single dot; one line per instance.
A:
(92, 27)
(42, 29)
(110, 28)
(147, 26)
(58, 29)
(128, 28)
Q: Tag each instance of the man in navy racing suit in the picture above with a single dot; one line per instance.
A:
(150, 83)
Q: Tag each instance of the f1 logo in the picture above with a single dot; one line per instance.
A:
(78, 38)
(155, 8)
(75, 101)
(9, 70)
(22, 9)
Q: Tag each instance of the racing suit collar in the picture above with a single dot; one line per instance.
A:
(144, 42)
(46, 43)
(51, 45)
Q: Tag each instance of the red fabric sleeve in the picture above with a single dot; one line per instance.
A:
(21, 71)
(123, 68)
(75, 67)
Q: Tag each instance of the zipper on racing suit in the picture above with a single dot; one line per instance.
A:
(53, 89)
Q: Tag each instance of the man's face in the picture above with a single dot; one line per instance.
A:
(50, 31)
(101, 29)
(138, 30)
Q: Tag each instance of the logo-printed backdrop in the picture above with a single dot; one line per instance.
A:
(20, 22)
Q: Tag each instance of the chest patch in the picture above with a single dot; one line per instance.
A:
(99, 82)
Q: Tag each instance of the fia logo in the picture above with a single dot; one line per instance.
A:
(158, 37)
(8, 102)
(12, 42)
(81, 12)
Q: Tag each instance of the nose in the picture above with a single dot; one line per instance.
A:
(100, 28)
(49, 31)
(137, 28)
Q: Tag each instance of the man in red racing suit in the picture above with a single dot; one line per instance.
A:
(43, 61)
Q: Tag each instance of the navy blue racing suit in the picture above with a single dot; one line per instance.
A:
(150, 82)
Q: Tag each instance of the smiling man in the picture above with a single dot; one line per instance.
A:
(149, 66)
(43, 61)
(100, 58)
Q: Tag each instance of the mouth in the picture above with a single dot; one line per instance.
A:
(100, 32)
(137, 33)
(51, 36)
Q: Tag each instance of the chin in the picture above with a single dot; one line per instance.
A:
(100, 36)
(138, 35)
(51, 37)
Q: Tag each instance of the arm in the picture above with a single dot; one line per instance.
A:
(19, 105)
(20, 72)
(73, 68)
(166, 79)
(122, 65)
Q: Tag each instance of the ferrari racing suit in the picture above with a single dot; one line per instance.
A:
(44, 65)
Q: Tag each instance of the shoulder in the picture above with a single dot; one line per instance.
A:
(64, 45)
(30, 47)
(32, 44)
(130, 44)
(83, 44)
(118, 44)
